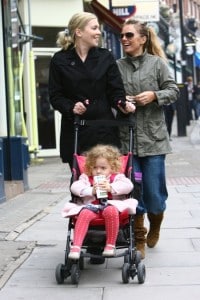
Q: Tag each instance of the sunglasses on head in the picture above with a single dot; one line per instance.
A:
(128, 35)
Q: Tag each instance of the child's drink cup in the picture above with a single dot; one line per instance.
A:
(100, 193)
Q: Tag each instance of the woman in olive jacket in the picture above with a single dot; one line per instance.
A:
(148, 82)
(84, 80)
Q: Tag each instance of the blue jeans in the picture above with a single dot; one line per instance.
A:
(154, 190)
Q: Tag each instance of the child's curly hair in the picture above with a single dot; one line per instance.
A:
(111, 153)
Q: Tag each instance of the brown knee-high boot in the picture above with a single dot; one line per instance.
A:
(140, 234)
(154, 231)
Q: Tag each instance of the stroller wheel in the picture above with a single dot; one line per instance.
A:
(75, 274)
(125, 273)
(126, 258)
(60, 273)
(81, 263)
(141, 272)
(138, 257)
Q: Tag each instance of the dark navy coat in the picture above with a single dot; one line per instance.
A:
(97, 79)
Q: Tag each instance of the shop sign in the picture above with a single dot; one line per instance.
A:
(143, 10)
(124, 12)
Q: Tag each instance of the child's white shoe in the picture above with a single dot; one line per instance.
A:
(74, 253)
(109, 250)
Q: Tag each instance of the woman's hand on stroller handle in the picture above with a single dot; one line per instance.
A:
(81, 107)
(127, 107)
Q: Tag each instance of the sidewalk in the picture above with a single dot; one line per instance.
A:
(33, 236)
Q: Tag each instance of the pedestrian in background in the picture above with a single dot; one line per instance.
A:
(148, 82)
(197, 99)
(191, 99)
(84, 80)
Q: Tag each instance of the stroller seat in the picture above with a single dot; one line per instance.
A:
(126, 169)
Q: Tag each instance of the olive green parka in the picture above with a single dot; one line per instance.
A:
(148, 73)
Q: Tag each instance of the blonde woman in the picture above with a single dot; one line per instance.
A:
(148, 82)
(84, 80)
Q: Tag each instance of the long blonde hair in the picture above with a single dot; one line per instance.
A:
(152, 44)
(67, 37)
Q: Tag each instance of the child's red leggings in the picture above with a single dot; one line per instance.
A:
(111, 217)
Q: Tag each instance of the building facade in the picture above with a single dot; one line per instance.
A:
(28, 40)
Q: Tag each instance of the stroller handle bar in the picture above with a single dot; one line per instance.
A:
(108, 123)
(103, 122)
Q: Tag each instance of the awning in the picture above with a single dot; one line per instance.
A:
(106, 16)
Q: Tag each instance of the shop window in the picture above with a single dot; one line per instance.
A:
(48, 35)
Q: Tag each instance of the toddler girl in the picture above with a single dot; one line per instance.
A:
(101, 160)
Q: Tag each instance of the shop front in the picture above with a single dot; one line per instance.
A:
(29, 125)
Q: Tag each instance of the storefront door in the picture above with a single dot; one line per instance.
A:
(48, 120)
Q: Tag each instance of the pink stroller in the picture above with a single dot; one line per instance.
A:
(95, 239)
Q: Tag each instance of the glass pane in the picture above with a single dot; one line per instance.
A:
(45, 113)
(48, 35)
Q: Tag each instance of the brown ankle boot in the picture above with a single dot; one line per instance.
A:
(154, 231)
(140, 234)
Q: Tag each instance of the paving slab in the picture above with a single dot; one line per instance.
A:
(179, 292)
(58, 293)
(33, 238)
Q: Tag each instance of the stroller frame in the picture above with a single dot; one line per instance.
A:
(133, 264)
